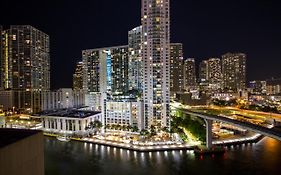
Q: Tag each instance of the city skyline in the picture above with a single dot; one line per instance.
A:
(203, 31)
(140, 87)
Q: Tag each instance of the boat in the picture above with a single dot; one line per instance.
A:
(63, 138)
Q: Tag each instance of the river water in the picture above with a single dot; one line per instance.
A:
(77, 158)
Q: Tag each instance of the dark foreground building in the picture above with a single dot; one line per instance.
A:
(21, 152)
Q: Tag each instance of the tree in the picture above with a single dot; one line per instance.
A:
(135, 129)
(144, 132)
(152, 130)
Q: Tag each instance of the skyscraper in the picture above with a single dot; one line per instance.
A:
(189, 74)
(1, 59)
(203, 71)
(156, 57)
(78, 76)
(105, 70)
(234, 71)
(176, 68)
(135, 58)
(25, 65)
(214, 73)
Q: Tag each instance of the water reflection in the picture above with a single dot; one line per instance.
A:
(87, 159)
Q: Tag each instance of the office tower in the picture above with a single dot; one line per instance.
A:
(26, 65)
(156, 57)
(105, 70)
(1, 59)
(176, 68)
(78, 76)
(135, 59)
(234, 71)
(189, 74)
(214, 73)
(203, 71)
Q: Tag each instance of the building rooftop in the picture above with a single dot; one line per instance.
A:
(69, 113)
(9, 136)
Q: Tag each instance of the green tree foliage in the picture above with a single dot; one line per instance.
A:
(196, 127)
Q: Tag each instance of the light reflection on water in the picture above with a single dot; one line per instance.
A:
(87, 158)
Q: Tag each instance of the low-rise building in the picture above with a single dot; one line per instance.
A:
(68, 121)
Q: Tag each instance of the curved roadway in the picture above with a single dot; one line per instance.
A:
(249, 126)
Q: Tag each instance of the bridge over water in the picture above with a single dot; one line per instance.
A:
(245, 125)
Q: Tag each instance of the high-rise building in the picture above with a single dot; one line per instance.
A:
(1, 59)
(78, 76)
(189, 74)
(176, 68)
(156, 57)
(135, 59)
(214, 73)
(203, 71)
(234, 71)
(105, 70)
(25, 65)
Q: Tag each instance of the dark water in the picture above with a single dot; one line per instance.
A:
(75, 158)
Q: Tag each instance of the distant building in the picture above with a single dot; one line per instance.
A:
(21, 152)
(68, 121)
(135, 59)
(187, 99)
(214, 73)
(189, 74)
(234, 72)
(176, 68)
(203, 71)
(257, 87)
(156, 57)
(78, 77)
(25, 65)
(273, 86)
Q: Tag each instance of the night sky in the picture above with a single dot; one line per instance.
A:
(206, 28)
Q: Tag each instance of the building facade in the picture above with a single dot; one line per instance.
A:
(135, 59)
(61, 99)
(68, 121)
(189, 74)
(78, 77)
(105, 70)
(214, 73)
(176, 68)
(156, 57)
(127, 113)
(25, 65)
(234, 72)
(257, 87)
(203, 71)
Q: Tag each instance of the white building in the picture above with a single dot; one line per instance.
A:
(124, 113)
(62, 98)
(156, 60)
(94, 101)
(68, 121)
